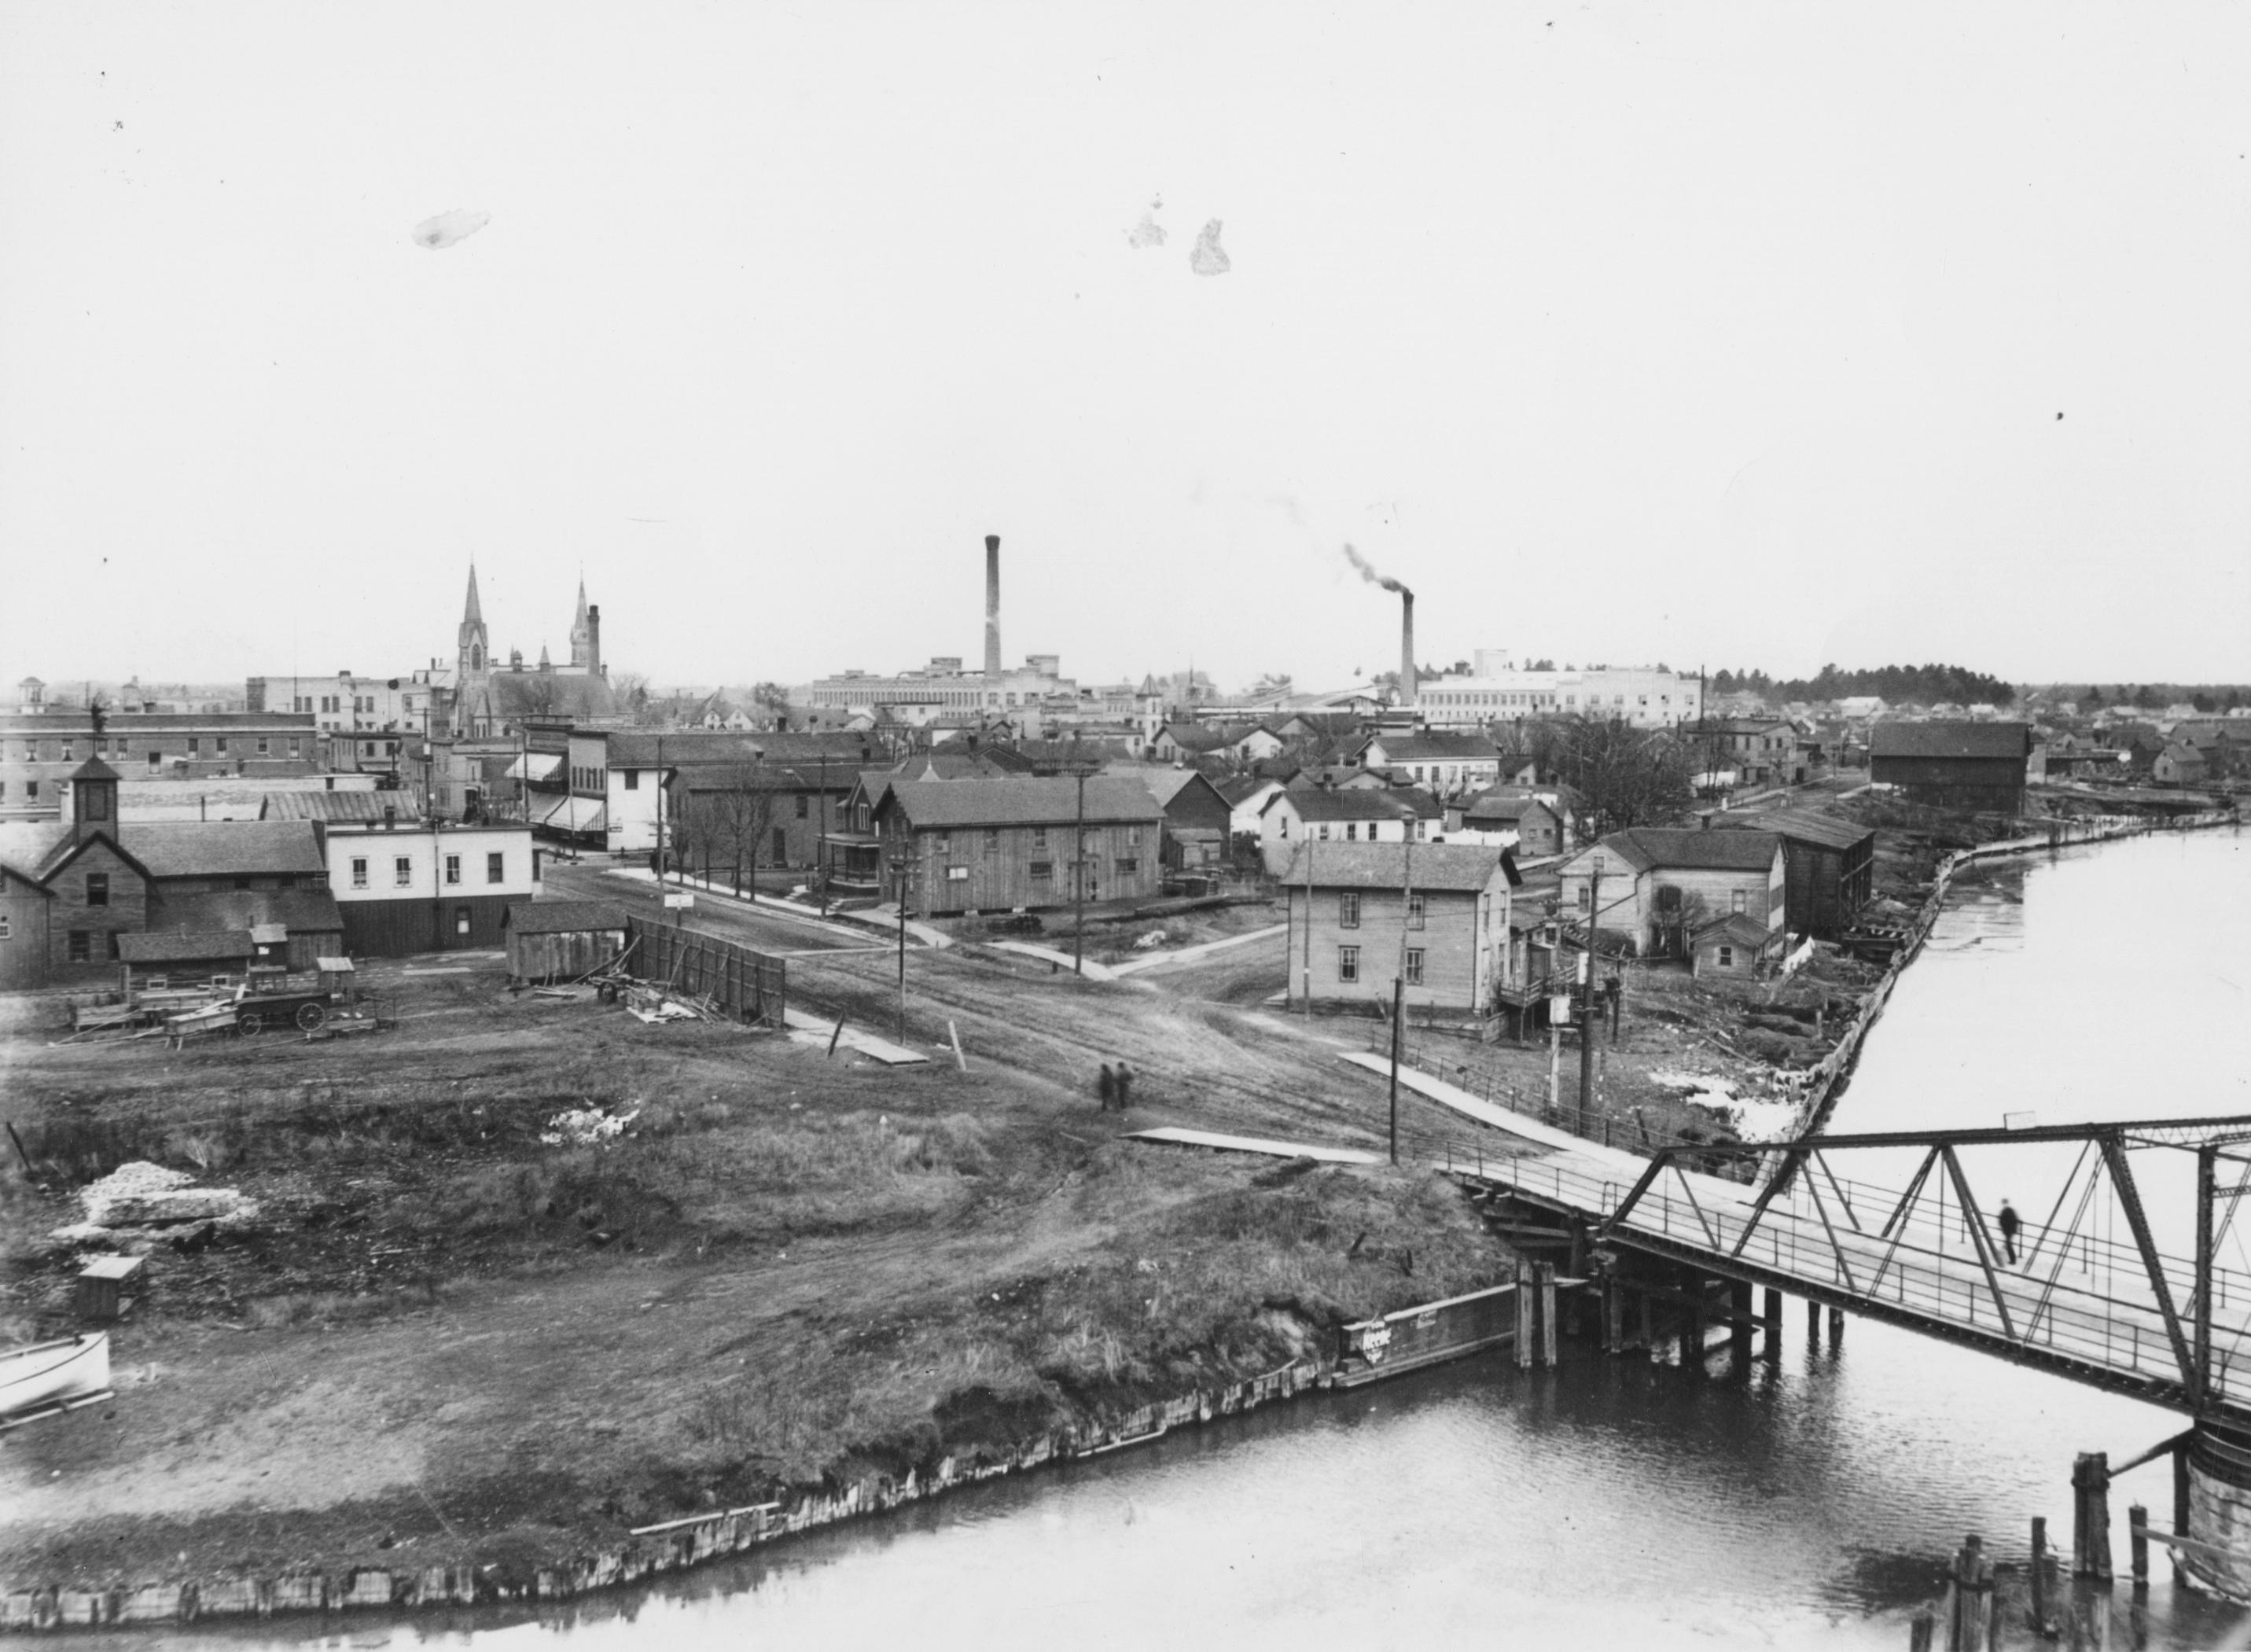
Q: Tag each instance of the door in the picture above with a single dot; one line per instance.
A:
(781, 847)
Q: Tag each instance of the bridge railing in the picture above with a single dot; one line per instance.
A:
(2099, 1316)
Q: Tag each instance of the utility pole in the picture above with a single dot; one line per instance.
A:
(661, 856)
(903, 949)
(1078, 881)
(1587, 1014)
(1398, 994)
(820, 841)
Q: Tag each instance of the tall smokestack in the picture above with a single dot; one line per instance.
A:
(594, 666)
(992, 605)
(1408, 689)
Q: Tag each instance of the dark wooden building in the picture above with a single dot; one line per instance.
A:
(1432, 920)
(756, 815)
(1006, 845)
(1830, 863)
(562, 939)
(1196, 814)
(1964, 766)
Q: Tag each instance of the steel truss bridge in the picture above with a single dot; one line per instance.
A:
(2092, 1295)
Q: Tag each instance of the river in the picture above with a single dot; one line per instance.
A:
(1613, 1501)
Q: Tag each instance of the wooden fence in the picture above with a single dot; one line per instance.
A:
(750, 986)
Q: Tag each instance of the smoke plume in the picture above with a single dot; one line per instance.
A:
(1368, 572)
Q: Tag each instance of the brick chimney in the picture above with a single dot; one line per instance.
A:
(992, 606)
(1409, 690)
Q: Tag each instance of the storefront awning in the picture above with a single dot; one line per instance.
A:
(581, 816)
(535, 766)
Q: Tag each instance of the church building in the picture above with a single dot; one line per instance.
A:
(491, 701)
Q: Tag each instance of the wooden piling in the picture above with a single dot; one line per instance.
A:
(1739, 1324)
(1773, 1317)
(2137, 1528)
(1647, 1339)
(1918, 1631)
(2038, 1613)
(1813, 1324)
(1972, 1595)
(1523, 1318)
(1543, 1274)
(2180, 1500)
(2090, 1516)
(1836, 1328)
(1613, 1316)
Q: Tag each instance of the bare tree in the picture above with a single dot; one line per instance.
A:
(1624, 776)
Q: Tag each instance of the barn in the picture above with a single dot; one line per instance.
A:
(561, 939)
(1965, 765)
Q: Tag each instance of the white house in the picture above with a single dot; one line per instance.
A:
(409, 887)
(1393, 815)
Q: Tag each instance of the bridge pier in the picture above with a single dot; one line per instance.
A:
(1740, 1324)
(2212, 1488)
(1773, 1316)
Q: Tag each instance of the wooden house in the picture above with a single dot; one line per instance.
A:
(1007, 845)
(1732, 945)
(1953, 765)
(1538, 825)
(1659, 885)
(1383, 814)
(1831, 864)
(1431, 918)
(1197, 816)
(561, 939)
(2178, 764)
(1447, 763)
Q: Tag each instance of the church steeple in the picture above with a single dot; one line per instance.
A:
(582, 633)
(474, 648)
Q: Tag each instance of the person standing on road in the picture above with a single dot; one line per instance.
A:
(2010, 1223)
(1105, 1088)
(1125, 1086)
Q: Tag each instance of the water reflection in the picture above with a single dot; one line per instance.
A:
(1617, 1502)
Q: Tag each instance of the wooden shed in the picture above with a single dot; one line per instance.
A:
(561, 939)
(1831, 864)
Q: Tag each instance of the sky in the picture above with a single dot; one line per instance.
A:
(1742, 336)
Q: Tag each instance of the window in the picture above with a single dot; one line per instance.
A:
(956, 874)
(402, 872)
(804, 806)
(1352, 831)
(32, 787)
(195, 745)
(81, 949)
(633, 780)
(264, 746)
(6, 932)
(1414, 913)
(992, 843)
(1414, 966)
(1325, 831)
(452, 869)
(293, 747)
(112, 939)
(1041, 870)
(219, 744)
(1739, 900)
(493, 864)
(1727, 957)
(1348, 963)
(1586, 896)
(1128, 865)
(1039, 837)
(359, 871)
(97, 889)
(1348, 909)
(460, 921)
(156, 759)
(94, 801)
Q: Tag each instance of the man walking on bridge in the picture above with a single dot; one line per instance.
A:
(2010, 1223)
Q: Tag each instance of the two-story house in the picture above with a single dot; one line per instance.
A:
(1654, 886)
(1430, 921)
(1393, 815)
(406, 887)
(1018, 844)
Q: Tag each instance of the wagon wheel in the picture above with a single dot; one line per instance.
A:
(250, 1023)
(309, 1016)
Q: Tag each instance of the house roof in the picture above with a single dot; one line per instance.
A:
(1454, 867)
(1950, 739)
(1165, 783)
(1800, 825)
(634, 748)
(1653, 848)
(1492, 805)
(1388, 802)
(332, 806)
(517, 695)
(1194, 737)
(1021, 802)
(1237, 787)
(220, 848)
(312, 911)
(184, 946)
(94, 769)
(1436, 747)
(1736, 928)
(562, 917)
(762, 777)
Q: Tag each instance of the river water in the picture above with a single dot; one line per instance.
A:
(1613, 1503)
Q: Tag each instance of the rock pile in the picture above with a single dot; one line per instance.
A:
(138, 1205)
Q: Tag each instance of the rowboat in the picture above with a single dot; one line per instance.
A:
(48, 1378)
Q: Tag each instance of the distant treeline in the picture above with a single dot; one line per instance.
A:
(2150, 697)
(1922, 684)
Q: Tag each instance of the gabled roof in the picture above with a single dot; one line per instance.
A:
(761, 777)
(331, 806)
(1799, 825)
(1463, 868)
(1436, 747)
(1389, 802)
(944, 804)
(1950, 739)
(221, 849)
(1237, 787)
(1659, 848)
(561, 917)
(1736, 928)
(1192, 736)
(94, 769)
(1494, 806)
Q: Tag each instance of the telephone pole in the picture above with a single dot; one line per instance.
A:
(1587, 997)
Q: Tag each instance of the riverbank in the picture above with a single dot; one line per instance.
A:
(453, 1354)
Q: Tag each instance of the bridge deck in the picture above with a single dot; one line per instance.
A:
(2072, 1305)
